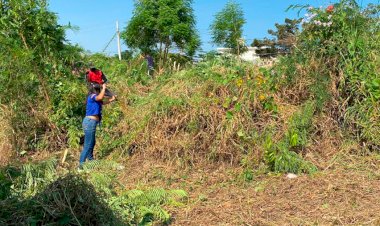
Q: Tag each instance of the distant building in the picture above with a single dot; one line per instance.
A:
(249, 55)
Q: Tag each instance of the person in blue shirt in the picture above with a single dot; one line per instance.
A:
(94, 104)
(150, 63)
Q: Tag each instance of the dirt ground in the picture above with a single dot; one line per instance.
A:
(346, 192)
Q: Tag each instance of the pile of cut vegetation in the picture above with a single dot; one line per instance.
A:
(42, 193)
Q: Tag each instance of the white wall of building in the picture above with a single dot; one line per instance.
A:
(249, 55)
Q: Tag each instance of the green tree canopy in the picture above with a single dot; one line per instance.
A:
(161, 25)
(227, 28)
(32, 25)
(285, 34)
(35, 81)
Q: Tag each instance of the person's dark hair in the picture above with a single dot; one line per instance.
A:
(95, 88)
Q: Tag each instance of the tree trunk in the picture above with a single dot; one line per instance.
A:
(167, 46)
(160, 64)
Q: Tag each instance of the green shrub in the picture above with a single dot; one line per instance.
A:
(281, 156)
(343, 45)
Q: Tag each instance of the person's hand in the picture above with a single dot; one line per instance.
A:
(113, 98)
(104, 86)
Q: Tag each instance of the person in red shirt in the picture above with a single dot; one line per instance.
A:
(96, 76)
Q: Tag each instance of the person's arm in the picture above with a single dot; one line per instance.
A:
(108, 101)
(101, 94)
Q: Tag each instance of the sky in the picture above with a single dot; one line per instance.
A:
(96, 20)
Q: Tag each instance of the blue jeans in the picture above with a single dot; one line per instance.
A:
(89, 127)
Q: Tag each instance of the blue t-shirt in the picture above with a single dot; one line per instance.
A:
(149, 59)
(93, 107)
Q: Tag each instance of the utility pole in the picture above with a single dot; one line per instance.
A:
(118, 39)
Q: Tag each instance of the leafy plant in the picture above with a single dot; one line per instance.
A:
(227, 28)
(281, 156)
(142, 207)
(33, 177)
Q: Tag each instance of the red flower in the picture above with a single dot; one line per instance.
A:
(330, 8)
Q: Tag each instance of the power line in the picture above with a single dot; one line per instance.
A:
(95, 28)
(113, 37)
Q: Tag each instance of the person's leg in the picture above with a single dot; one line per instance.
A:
(86, 144)
(90, 153)
(89, 127)
(151, 72)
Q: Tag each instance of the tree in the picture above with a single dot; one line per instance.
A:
(36, 85)
(266, 47)
(286, 34)
(227, 28)
(158, 25)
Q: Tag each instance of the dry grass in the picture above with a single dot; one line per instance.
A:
(185, 120)
(346, 193)
(206, 161)
(334, 198)
(298, 91)
(5, 142)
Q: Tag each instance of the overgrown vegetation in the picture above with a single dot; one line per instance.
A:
(338, 52)
(220, 111)
(40, 95)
